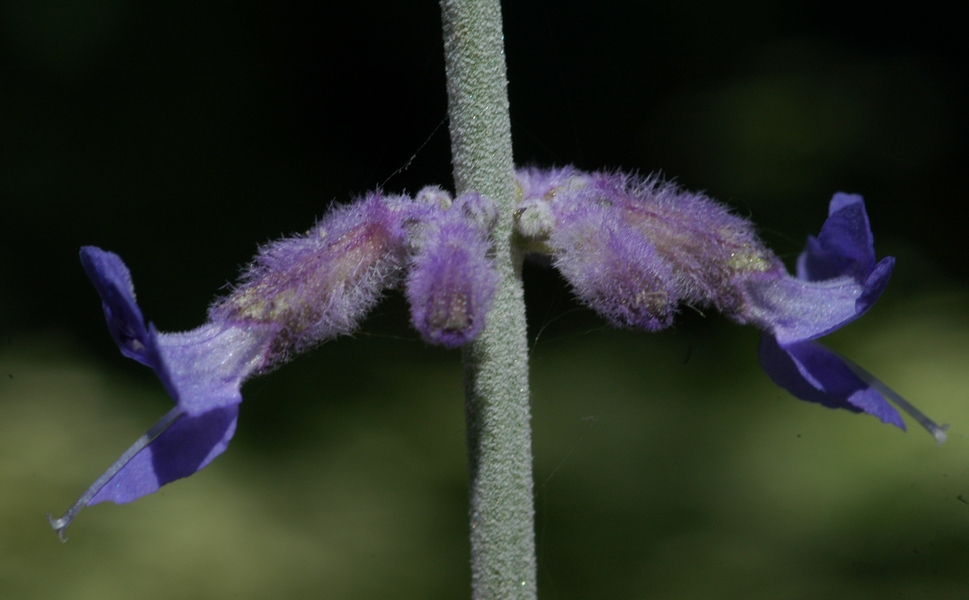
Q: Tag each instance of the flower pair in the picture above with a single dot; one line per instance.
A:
(633, 249)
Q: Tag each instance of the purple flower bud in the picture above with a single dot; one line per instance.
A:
(319, 285)
(635, 249)
(612, 268)
(452, 281)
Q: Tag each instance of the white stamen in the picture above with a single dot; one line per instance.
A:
(60, 525)
(937, 431)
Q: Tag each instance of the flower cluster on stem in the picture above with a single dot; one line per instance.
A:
(633, 249)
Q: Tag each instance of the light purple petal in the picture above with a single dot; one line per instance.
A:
(208, 365)
(813, 373)
(795, 310)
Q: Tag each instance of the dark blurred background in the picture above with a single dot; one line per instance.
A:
(182, 135)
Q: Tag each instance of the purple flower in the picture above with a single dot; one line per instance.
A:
(635, 249)
(298, 292)
(202, 370)
(837, 281)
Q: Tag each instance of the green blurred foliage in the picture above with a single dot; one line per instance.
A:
(667, 466)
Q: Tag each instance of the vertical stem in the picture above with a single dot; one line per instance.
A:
(496, 364)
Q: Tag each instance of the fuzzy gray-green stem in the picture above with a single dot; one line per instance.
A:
(496, 363)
